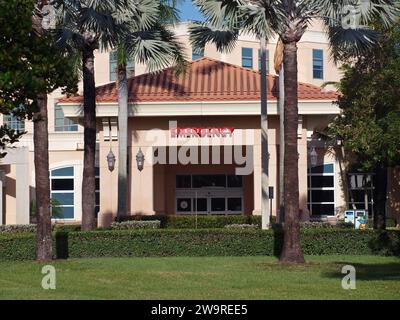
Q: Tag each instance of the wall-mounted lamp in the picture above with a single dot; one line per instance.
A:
(111, 161)
(140, 159)
(313, 157)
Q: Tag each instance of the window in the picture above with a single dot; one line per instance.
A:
(14, 122)
(61, 123)
(184, 204)
(266, 60)
(97, 208)
(235, 181)
(183, 181)
(209, 194)
(130, 67)
(247, 58)
(318, 64)
(197, 53)
(63, 193)
(202, 181)
(321, 190)
(361, 189)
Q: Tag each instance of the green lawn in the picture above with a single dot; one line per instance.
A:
(203, 278)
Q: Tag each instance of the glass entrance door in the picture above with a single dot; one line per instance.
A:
(209, 194)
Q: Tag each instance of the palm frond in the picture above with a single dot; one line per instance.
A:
(350, 24)
(156, 48)
(348, 43)
(223, 38)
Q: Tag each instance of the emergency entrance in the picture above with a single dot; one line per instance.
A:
(209, 194)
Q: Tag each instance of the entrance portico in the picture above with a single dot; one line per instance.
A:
(183, 126)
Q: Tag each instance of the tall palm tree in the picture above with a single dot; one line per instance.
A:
(56, 73)
(41, 155)
(158, 48)
(225, 19)
(86, 26)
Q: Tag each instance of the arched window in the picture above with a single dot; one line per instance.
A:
(63, 193)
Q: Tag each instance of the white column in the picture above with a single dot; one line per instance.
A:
(257, 180)
(22, 187)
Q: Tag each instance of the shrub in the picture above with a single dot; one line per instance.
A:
(17, 246)
(31, 228)
(326, 225)
(151, 224)
(190, 221)
(18, 228)
(66, 227)
(242, 226)
(201, 242)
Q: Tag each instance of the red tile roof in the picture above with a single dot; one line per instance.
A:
(204, 80)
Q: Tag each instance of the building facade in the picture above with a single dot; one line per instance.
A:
(199, 134)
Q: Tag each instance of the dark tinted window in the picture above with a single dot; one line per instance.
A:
(62, 184)
(184, 205)
(323, 196)
(200, 181)
(201, 205)
(235, 204)
(235, 181)
(218, 204)
(322, 182)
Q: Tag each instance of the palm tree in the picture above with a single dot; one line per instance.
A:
(158, 48)
(86, 26)
(58, 76)
(289, 19)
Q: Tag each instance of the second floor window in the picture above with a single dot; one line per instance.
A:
(266, 60)
(14, 122)
(247, 58)
(130, 67)
(61, 123)
(318, 64)
(197, 53)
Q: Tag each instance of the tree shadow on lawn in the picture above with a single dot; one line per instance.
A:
(380, 271)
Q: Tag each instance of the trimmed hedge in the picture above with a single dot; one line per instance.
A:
(206, 242)
(20, 246)
(189, 221)
(150, 224)
(31, 228)
(17, 228)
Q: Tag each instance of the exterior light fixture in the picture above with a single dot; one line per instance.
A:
(111, 161)
(140, 159)
(313, 157)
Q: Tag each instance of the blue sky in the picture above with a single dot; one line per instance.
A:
(188, 11)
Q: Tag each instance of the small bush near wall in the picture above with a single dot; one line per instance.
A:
(31, 228)
(191, 221)
(17, 228)
(151, 224)
(201, 242)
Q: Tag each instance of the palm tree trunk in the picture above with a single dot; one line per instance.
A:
(281, 215)
(42, 180)
(291, 252)
(41, 159)
(88, 182)
(123, 140)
